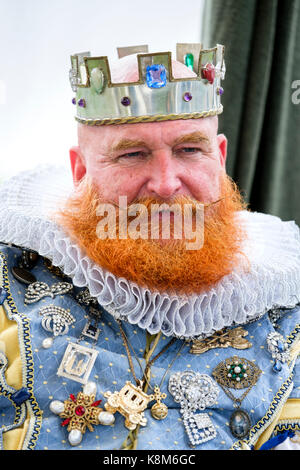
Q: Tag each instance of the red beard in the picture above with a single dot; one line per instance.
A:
(166, 266)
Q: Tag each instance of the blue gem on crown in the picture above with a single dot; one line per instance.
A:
(156, 76)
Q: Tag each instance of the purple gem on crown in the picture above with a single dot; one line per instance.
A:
(73, 100)
(125, 101)
(82, 103)
(187, 96)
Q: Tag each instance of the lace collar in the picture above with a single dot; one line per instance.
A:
(273, 248)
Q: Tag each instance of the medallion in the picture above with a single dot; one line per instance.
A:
(240, 423)
(159, 410)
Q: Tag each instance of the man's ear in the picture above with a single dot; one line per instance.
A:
(77, 164)
(222, 142)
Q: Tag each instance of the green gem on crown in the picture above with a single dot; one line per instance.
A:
(189, 61)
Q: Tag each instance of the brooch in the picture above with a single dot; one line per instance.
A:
(37, 290)
(234, 338)
(237, 373)
(195, 391)
(130, 401)
(56, 320)
(81, 412)
(279, 350)
(78, 360)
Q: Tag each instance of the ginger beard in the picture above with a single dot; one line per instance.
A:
(163, 265)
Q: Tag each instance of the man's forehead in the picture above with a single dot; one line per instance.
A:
(169, 131)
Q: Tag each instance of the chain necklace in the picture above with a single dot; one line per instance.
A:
(132, 400)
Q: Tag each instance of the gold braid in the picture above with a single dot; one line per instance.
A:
(155, 117)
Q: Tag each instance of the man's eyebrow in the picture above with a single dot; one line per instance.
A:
(194, 138)
(126, 144)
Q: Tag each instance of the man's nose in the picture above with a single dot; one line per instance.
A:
(164, 180)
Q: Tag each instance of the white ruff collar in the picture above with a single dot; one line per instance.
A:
(273, 248)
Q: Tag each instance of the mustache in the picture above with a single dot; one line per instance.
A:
(181, 200)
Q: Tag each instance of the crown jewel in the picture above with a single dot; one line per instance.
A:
(156, 95)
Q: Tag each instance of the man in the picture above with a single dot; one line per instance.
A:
(189, 331)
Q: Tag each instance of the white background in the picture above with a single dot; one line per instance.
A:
(37, 38)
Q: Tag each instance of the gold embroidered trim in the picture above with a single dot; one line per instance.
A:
(34, 414)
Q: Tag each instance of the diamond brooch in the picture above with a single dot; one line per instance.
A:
(37, 290)
(195, 391)
(56, 320)
(279, 350)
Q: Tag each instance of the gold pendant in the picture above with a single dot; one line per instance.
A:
(130, 402)
(234, 338)
(159, 410)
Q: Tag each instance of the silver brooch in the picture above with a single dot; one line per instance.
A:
(37, 290)
(56, 320)
(279, 350)
(195, 391)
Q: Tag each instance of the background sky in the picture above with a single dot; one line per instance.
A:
(37, 38)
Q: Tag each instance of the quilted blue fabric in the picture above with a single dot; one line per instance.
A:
(111, 370)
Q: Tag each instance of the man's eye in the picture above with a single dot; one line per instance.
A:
(189, 150)
(132, 154)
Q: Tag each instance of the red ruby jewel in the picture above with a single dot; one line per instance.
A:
(66, 422)
(73, 398)
(80, 410)
(96, 403)
(209, 73)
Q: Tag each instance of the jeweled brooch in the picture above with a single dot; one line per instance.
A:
(81, 413)
(195, 391)
(237, 373)
(279, 350)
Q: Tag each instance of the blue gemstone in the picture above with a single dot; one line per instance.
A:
(3, 295)
(277, 366)
(280, 346)
(156, 76)
(20, 396)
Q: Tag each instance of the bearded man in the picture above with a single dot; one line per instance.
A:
(146, 281)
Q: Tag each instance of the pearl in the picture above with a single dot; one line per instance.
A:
(47, 343)
(56, 407)
(106, 418)
(237, 369)
(90, 388)
(75, 437)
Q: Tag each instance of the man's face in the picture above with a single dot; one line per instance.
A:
(159, 159)
(182, 161)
